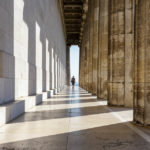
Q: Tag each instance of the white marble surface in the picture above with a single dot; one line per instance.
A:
(32, 42)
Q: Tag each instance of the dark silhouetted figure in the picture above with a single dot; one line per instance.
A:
(73, 80)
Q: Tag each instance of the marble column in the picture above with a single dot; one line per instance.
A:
(85, 56)
(103, 50)
(88, 46)
(142, 63)
(116, 53)
(90, 67)
(95, 44)
(87, 62)
(80, 69)
(82, 77)
(129, 52)
(121, 53)
(68, 65)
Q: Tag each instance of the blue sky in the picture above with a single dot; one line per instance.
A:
(74, 62)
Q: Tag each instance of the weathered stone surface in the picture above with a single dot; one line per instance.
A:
(121, 53)
(91, 17)
(103, 50)
(95, 45)
(86, 52)
(110, 26)
(117, 53)
(142, 63)
(68, 65)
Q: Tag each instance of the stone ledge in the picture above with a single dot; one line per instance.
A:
(50, 93)
(44, 95)
(55, 91)
(14, 109)
(11, 110)
(32, 101)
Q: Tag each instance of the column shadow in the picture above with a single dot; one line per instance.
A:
(108, 137)
(58, 113)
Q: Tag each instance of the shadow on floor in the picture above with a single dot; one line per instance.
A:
(64, 113)
(72, 96)
(68, 102)
(110, 137)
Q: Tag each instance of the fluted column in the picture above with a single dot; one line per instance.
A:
(129, 52)
(68, 65)
(142, 63)
(95, 45)
(90, 67)
(86, 55)
(103, 50)
(121, 53)
(116, 53)
(88, 45)
(82, 77)
(80, 68)
(84, 63)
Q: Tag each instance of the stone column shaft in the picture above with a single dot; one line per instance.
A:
(80, 69)
(142, 63)
(117, 40)
(129, 52)
(90, 67)
(103, 50)
(82, 77)
(86, 55)
(83, 62)
(95, 45)
(83, 65)
(68, 65)
(121, 46)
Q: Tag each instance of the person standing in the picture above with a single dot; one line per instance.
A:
(73, 80)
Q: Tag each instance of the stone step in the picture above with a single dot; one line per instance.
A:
(11, 110)
(14, 109)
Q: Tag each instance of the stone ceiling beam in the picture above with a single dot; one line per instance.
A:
(73, 16)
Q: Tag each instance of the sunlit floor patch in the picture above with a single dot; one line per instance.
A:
(73, 122)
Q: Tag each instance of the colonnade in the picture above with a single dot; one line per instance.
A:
(115, 54)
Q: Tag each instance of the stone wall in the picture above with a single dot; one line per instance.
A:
(32, 48)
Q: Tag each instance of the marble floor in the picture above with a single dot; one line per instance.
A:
(74, 120)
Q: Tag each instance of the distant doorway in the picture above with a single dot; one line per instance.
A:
(74, 63)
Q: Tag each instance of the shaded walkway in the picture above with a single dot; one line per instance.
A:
(74, 120)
